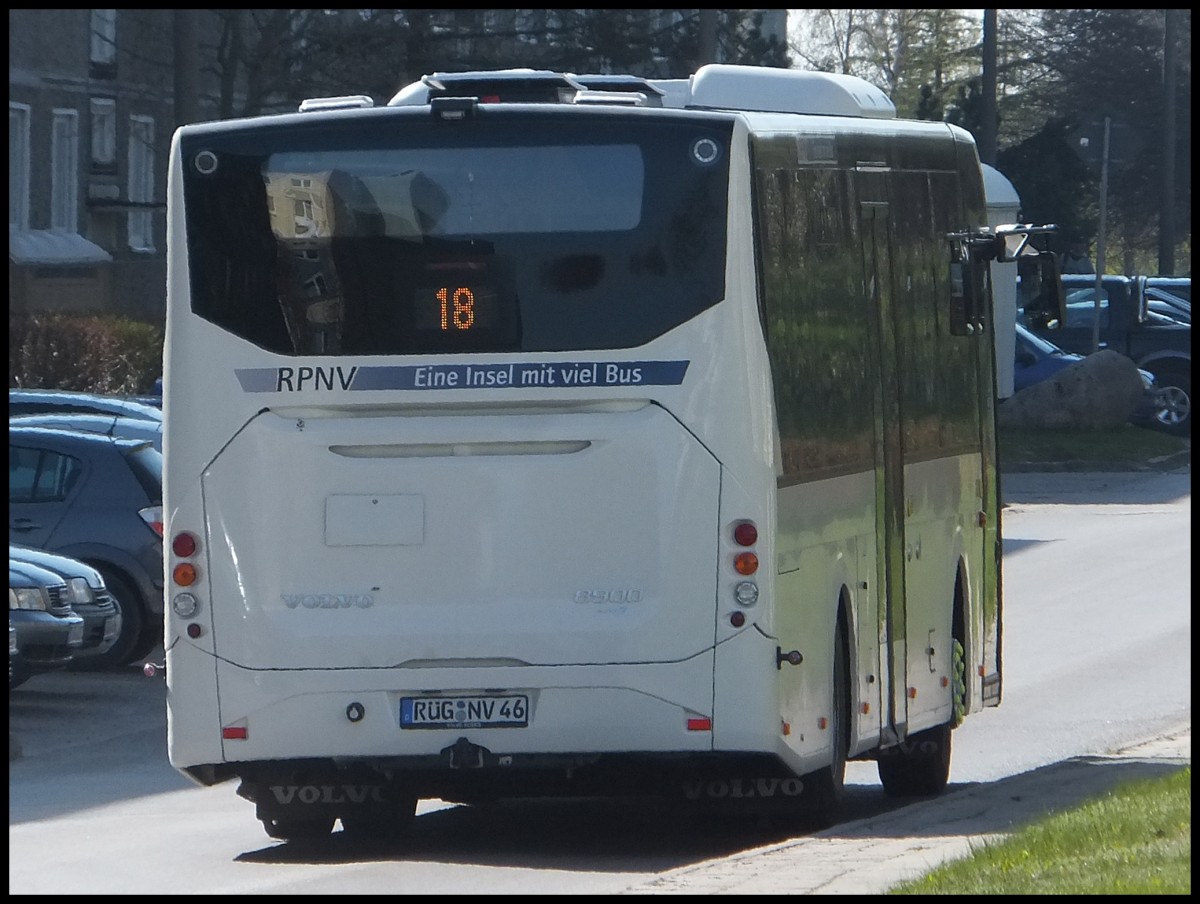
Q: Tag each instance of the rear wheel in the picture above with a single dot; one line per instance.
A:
(919, 766)
(825, 788)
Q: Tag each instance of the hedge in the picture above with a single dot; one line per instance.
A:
(102, 353)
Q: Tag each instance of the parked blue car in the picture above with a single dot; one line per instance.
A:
(1037, 359)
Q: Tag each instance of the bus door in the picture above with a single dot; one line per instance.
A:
(889, 460)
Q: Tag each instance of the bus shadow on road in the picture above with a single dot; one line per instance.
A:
(640, 837)
(564, 834)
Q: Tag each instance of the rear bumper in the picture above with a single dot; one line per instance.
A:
(356, 713)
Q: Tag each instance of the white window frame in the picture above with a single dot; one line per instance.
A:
(140, 222)
(18, 167)
(64, 169)
(104, 36)
(104, 131)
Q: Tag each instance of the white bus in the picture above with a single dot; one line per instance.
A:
(541, 434)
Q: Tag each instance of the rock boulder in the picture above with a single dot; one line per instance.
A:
(1098, 393)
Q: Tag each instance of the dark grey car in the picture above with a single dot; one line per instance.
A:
(99, 500)
(90, 599)
(48, 631)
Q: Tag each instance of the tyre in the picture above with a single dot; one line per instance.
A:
(1174, 412)
(825, 788)
(919, 766)
(128, 645)
(298, 828)
(958, 667)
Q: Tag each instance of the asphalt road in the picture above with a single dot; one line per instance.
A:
(92, 766)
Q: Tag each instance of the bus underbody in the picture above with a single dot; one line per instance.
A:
(302, 798)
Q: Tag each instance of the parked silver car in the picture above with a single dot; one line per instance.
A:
(12, 647)
(48, 630)
(90, 599)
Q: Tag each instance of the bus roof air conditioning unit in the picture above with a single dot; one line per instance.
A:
(344, 102)
(720, 86)
(513, 86)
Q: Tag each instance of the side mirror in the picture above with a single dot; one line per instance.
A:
(1043, 300)
(968, 297)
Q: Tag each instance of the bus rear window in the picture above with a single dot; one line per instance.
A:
(531, 233)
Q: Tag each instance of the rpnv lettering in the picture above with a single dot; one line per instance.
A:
(299, 379)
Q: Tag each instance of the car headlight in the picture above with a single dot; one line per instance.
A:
(26, 598)
(78, 591)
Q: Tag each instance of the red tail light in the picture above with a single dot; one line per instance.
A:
(183, 545)
(745, 534)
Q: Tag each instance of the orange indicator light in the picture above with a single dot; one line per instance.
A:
(184, 574)
(745, 563)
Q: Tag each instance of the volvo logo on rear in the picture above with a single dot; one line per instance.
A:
(328, 600)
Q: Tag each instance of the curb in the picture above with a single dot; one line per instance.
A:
(873, 855)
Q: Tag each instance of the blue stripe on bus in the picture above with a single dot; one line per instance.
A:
(551, 374)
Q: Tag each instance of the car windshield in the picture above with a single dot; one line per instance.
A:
(1037, 342)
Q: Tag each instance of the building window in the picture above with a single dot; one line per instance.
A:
(64, 170)
(103, 53)
(18, 167)
(104, 134)
(141, 182)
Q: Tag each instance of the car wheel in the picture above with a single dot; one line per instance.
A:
(129, 603)
(1174, 412)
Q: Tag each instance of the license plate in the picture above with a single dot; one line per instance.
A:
(500, 711)
(75, 635)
